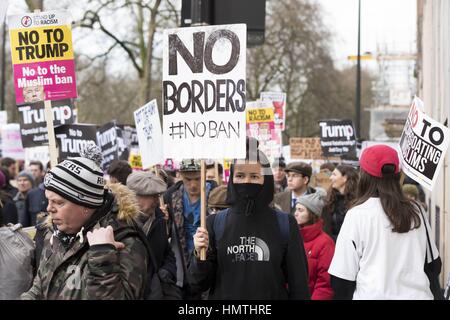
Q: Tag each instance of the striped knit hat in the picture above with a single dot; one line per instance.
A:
(80, 179)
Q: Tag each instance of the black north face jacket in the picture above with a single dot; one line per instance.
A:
(252, 260)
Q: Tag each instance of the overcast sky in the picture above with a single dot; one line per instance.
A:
(390, 23)
(383, 22)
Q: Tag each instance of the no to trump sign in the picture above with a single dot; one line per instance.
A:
(204, 92)
(42, 56)
(423, 145)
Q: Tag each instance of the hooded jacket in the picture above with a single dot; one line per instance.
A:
(174, 198)
(251, 260)
(319, 249)
(99, 271)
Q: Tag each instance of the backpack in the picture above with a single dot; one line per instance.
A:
(161, 286)
(16, 263)
(221, 217)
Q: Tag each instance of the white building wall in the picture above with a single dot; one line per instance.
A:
(434, 90)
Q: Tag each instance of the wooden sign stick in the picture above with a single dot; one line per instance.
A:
(203, 204)
(216, 173)
(51, 133)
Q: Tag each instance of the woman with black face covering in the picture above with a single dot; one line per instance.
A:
(253, 251)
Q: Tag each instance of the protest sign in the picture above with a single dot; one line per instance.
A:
(33, 123)
(37, 154)
(226, 169)
(3, 118)
(135, 161)
(42, 56)
(261, 126)
(171, 165)
(12, 142)
(71, 138)
(129, 134)
(305, 148)
(322, 180)
(108, 137)
(204, 92)
(337, 137)
(278, 100)
(149, 134)
(127, 141)
(423, 146)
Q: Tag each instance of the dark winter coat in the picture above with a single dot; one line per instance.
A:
(22, 214)
(9, 210)
(158, 239)
(173, 197)
(36, 203)
(335, 218)
(99, 271)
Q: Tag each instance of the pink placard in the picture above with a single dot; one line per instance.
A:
(50, 80)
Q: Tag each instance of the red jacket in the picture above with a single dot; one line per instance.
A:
(319, 248)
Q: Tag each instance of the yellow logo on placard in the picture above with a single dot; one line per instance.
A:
(135, 161)
(41, 44)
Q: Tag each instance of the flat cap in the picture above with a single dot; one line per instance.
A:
(299, 167)
(145, 183)
(218, 197)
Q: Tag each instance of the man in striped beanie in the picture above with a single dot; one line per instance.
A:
(92, 249)
(79, 180)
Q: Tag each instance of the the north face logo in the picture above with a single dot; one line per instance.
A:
(249, 249)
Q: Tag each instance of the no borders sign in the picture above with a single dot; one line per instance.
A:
(423, 145)
(204, 92)
(42, 56)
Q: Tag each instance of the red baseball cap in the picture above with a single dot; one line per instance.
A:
(374, 158)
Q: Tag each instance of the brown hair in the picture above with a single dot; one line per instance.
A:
(401, 212)
(350, 189)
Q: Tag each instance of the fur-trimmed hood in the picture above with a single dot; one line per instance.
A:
(124, 198)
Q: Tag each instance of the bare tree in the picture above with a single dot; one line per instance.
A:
(146, 18)
(296, 59)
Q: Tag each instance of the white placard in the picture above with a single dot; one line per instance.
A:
(37, 154)
(149, 134)
(204, 92)
(423, 146)
(3, 118)
(12, 142)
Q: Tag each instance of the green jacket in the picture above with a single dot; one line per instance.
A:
(100, 271)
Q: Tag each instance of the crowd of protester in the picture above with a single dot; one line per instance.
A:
(269, 233)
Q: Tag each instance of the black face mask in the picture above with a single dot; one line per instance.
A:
(248, 190)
